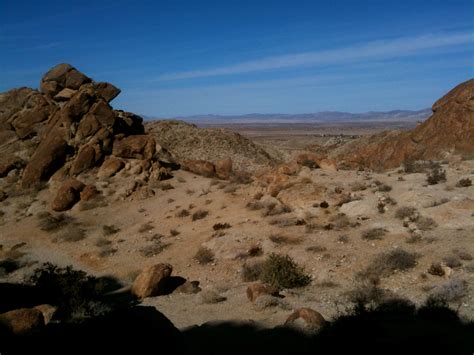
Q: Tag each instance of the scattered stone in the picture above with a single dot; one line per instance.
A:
(306, 319)
(23, 321)
(152, 281)
(68, 195)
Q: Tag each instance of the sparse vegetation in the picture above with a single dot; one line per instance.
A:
(252, 271)
(406, 212)
(387, 263)
(199, 214)
(48, 222)
(281, 271)
(462, 254)
(464, 183)
(453, 261)
(76, 294)
(384, 188)
(425, 223)
(220, 226)
(174, 232)
(109, 230)
(204, 256)
(435, 176)
(343, 239)
(70, 234)
(436, 269)
(452, 290)
(373, 234)
(154, 249)
(414, 238)
(183, 213)
(146, 227)
(316, 249)
(283, 239)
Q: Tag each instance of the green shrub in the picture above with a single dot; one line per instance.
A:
(281, 271)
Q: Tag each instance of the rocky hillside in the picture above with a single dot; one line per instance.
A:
(449, 131)
(187, 141)
(68, 129)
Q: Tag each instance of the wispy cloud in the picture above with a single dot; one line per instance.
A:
(375, 50)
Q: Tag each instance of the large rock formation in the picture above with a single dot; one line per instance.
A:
(449, 131)
(70, 126)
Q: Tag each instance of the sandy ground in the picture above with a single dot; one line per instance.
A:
(336, 261)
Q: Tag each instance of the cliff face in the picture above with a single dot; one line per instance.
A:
(449, 131)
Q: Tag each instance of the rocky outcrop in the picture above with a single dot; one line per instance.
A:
(224, 168)
(258, 289)
(306, 319)
(200, 167)
(152, 281)
(22, 321)
(67, 195)
(69, 127)
(449, 131)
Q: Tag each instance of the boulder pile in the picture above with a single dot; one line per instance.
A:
(68, 128)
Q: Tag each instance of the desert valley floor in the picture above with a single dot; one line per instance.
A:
(323, 219)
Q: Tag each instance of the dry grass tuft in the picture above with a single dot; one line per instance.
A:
(204, 256)
(199, 214)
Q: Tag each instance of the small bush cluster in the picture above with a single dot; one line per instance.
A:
(386, 264)
(435, 176)
(199, 214)
(204, 256)
(252, 271)
(220, 226)
(283, 239)
(373, 234)
(281, 271)
(464, 183)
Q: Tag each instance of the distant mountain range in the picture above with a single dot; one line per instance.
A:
(318, 117)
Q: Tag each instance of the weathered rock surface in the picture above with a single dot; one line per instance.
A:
(224, 168)
(152, 281)
(67, 195)
(449, 131)
(258, 289)
(306, 319)
(200, 167)
(22, 321)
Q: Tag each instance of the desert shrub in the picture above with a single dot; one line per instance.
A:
(438, 202)
(48, 222)
(283, 239)
(107, 251)
(343, 239)
(414, 238)
(153, 249)
(252, 271)
(419, 166)
(146, 227)
(273, 209)
(464, 183)
(406, 212)
(284, 222)
(340, 221)
(255, 250)
(71, 234)
(316, 249)
(281, 271)
(76, 294)
(220, 226)
(367, 294)
(453, 261)
(199, 214)
(373, 234)
(241, 178)
(386, 264)
(165, 186)
(384, 188)
(174, 232)
(436, 269)
(452, 290)
(435, 176)
(204, 256)
(109, 229)
(102, 242)
(358, 186)
(255, 205)
(425, 223)
(462, 254)
(183, 213)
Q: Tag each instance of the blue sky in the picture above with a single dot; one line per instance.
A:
(174, 57)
